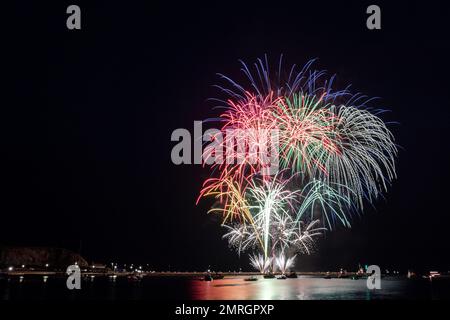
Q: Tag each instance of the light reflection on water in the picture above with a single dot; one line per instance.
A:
(302, 288)
(229, 288)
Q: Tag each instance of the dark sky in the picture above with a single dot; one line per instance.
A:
(86, 134)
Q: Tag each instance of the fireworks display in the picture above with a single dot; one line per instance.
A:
(333, 152)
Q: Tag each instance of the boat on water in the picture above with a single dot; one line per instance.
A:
(134, 278)
(208, 277)
(292, 275)
(252, 278)
(343, 275)
(269, 276)
(282, 277)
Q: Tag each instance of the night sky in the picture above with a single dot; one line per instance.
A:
(86, 134)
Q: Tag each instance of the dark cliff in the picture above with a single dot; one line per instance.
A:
(39, 256)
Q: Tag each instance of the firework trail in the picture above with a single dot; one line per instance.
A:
(283, 263)
(269, 202)
(335, 155)
(259, 262)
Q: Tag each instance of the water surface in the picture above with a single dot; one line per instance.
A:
(229, 288)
